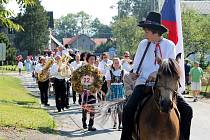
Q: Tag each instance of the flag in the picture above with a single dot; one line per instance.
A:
(171, 18)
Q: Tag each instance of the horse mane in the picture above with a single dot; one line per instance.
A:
(170, 67)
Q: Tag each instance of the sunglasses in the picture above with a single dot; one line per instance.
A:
(126, 56)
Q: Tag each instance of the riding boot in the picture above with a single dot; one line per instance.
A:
(186, 114)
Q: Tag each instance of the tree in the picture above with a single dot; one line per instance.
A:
(80, 23)
(66, 26)
(35, 36)
(10, 51)
(127, 34)
(100, 30)
(196, 33)
(105, 47)
(6, 13)
(84, 21)
(137, 8)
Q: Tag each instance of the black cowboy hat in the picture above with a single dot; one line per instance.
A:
(153, 21)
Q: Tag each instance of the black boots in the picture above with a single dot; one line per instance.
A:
(90, 126)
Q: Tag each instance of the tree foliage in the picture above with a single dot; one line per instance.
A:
(35, 36)
(196, 33)
(80, 23)
(105, 47)
(5, 14)
(66, 26)
(10, 50)
(137, 8)
(83, 21)
(127, 34)
(100, 30)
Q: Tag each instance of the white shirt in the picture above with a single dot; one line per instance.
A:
(63, 52)
(54, 71)
(126, 66)
(38, 68)
(104, 66)
(20, 65)
(148, 65)
(76, 65)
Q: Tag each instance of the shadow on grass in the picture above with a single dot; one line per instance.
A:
(24, 103)
(47, 130)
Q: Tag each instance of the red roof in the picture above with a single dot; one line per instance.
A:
(99, 41)
(69, 41)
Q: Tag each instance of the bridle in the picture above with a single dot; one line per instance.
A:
(156, 93)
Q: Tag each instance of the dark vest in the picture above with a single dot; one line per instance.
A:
(117, 79)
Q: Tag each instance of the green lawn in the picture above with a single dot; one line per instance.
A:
(10, 68)
(19, 109)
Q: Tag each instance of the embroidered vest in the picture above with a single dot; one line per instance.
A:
(117, 79)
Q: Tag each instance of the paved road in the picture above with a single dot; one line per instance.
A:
(69, 123)
(70, 126)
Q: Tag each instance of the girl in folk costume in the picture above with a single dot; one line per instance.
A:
(89, 98)
(114, 78)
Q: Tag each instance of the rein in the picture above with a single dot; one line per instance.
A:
(157, 96)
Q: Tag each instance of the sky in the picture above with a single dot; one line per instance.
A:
(96, 8)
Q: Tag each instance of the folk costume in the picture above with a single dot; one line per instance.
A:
(116, 80)
(87, 80)
(163, 49)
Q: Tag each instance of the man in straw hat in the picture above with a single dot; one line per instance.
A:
(159, 48)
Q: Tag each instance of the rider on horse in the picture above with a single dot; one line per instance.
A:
(159, 48)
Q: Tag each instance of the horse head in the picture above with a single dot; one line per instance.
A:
(167, 84)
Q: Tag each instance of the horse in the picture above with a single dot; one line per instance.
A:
(159, 119)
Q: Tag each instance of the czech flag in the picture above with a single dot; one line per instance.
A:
(171, 19)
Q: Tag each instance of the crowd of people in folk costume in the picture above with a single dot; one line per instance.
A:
(153, 48)
(113, 71)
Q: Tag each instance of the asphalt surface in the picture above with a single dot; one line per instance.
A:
(69, 124)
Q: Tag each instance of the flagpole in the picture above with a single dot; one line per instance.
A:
(180, 47)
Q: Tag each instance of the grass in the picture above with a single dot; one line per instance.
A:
(10, 68)
(19, 109)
